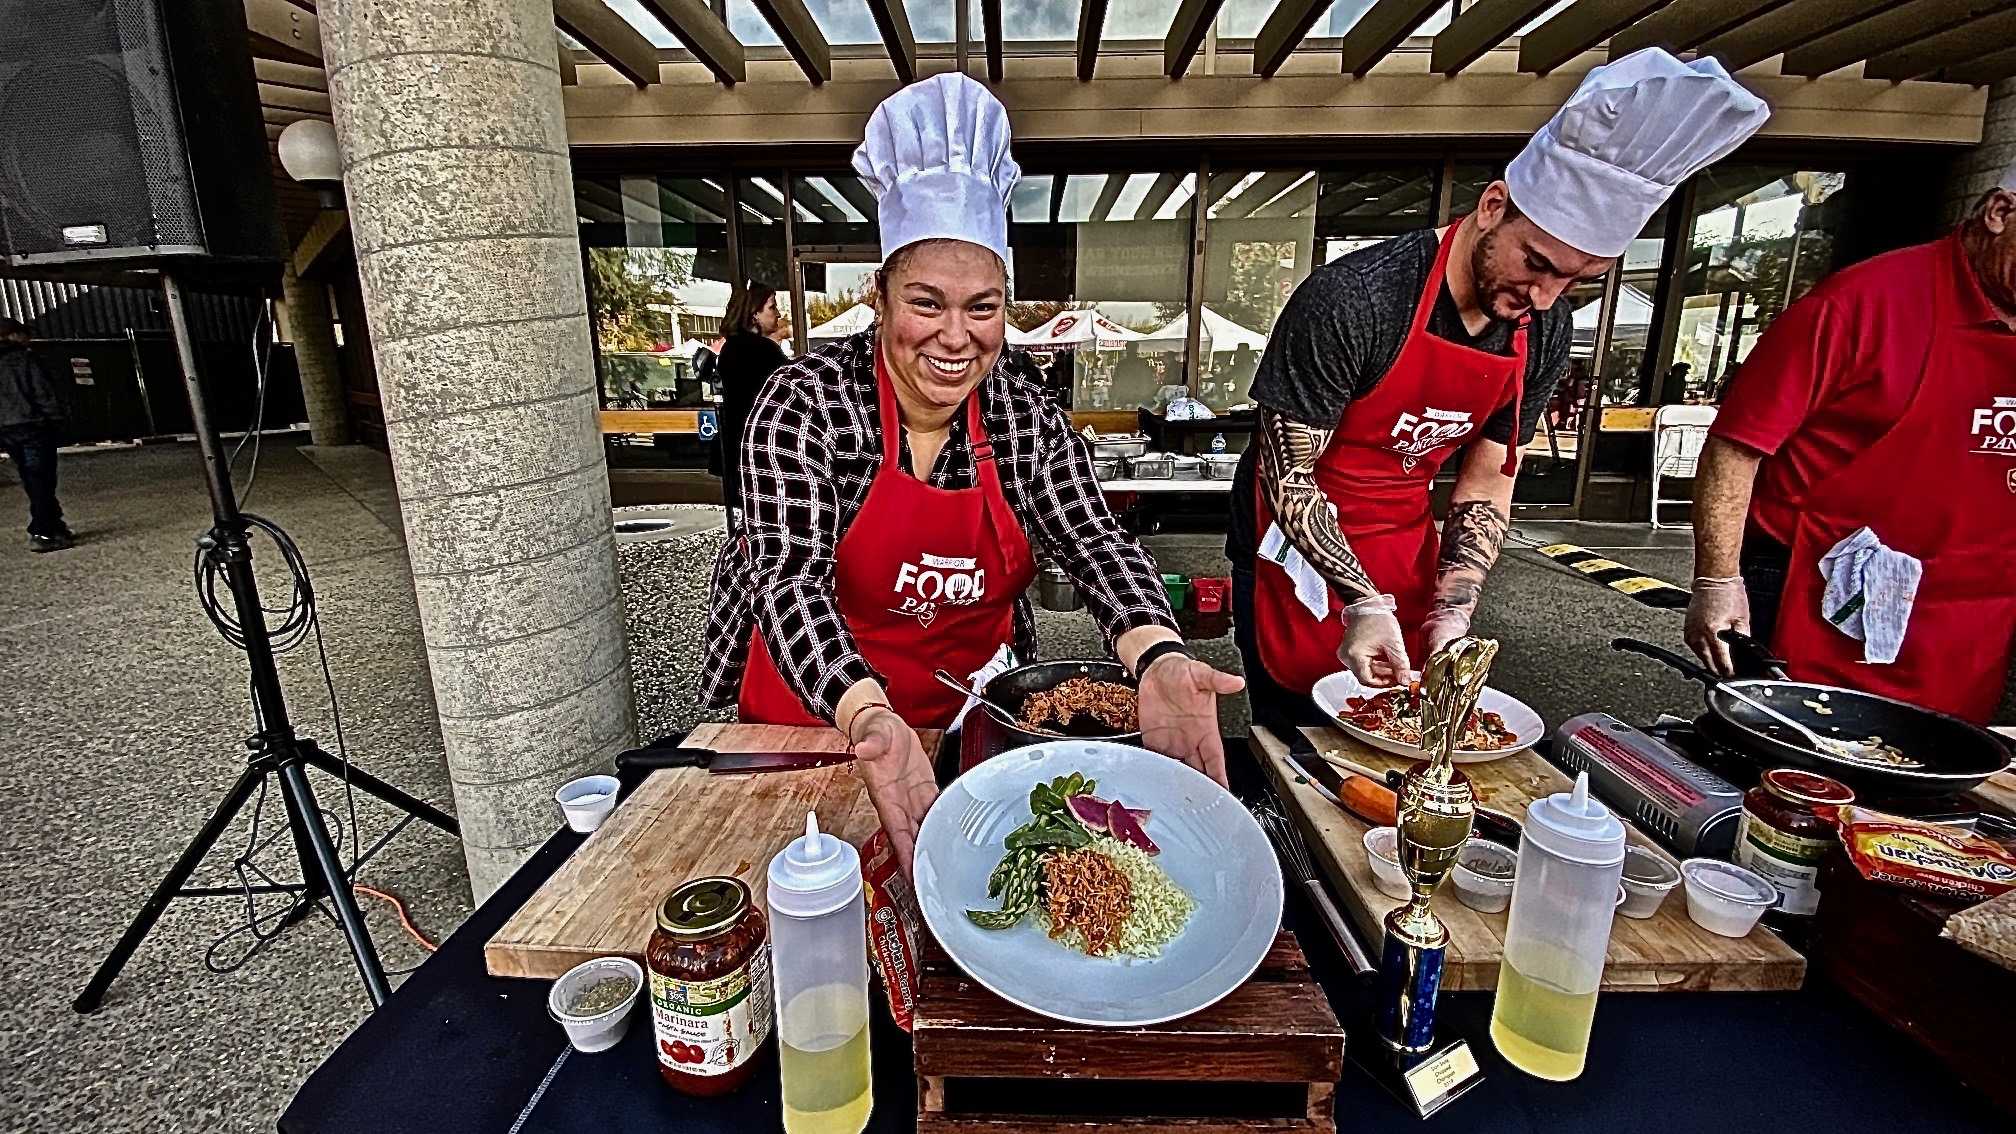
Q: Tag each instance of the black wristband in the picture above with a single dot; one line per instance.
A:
(1149, 655)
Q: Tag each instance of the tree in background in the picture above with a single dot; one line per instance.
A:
(624, 282)
(1033, 314)
(821, 308)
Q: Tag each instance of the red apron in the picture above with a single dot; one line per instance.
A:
(1378, 471)
(1940, 485)
(925, 577)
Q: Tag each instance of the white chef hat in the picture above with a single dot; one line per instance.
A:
(1629, 135)
(936, 155)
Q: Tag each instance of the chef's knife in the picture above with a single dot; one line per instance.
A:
(639, 762)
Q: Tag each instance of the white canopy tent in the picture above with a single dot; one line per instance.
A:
(1074, 328)
(857, 318)
(1219, 335)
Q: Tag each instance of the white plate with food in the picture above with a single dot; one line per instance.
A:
(1137, 892)
(1389, 718)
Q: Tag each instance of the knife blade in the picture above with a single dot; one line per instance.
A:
(644, 760)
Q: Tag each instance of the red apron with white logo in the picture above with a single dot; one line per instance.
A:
(925, 578)
(1378, 470)
(1939, 485)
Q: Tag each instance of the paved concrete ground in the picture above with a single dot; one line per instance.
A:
(124, 714)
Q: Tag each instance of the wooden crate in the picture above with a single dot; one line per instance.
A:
(1267, 1057)
(1664, 952)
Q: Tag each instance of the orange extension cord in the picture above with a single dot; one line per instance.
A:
(399, 904)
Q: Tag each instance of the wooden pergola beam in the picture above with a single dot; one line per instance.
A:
(1285, 29)
(800, 35)
(1953, 46)
(284, 32)
(703, 33)
(609, 38)
(1481, 27)
(1784, 28)
(990, 30)
(1109, 194)
(1381, 29)
(1990, 68)
(1575, 30)
(1158, 195)
(293, 98)
(1266, 188)
(894, 24)
(1685, 24)
(1895, 25)
(563, 56)
(1091, 26)
(1186, 34)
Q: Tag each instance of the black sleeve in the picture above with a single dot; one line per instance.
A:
(1315, 365)
(1546, 365)
(43, 389)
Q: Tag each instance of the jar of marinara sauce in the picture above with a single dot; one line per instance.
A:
(1783, 840)
(709, 963)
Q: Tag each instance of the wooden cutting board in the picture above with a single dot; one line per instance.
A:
(681, 823)
(1666, 952)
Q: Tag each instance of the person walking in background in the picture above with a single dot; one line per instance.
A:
(31, 426)
(749, 354)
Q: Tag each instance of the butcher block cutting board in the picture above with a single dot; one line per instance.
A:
(1666, 952)
(681, 823)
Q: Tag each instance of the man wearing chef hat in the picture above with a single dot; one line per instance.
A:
(1390, 359)
(1857, 496)
(897, 482)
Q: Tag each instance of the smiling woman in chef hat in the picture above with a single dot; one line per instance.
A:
(895, 483)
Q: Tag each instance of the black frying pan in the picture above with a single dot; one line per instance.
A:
(1955, 755)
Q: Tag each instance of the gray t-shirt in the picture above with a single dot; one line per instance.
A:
(1342, 331)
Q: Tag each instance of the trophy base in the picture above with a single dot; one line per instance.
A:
(1426, 1081)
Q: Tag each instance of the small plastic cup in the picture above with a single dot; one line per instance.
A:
(594, 1031)
(1483, 876)
(1382, 849)
(587, 801)
(1647, 880)
(1725, 898)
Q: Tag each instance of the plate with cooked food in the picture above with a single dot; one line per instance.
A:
(1390, 719)
(1098, 883)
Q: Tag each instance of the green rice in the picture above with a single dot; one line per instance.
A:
(1159, 910)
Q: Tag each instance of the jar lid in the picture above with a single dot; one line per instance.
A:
(703, 908)
(1796, 785)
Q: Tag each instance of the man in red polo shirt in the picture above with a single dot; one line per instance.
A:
(1884, 400)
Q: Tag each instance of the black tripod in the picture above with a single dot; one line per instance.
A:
(274, 746)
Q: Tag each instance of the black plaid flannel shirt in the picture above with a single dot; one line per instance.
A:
(809, 452)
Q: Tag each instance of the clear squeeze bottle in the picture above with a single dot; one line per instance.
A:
(1564, 894)
(819, 942)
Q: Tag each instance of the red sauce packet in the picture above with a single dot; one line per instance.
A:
(893, 926)
(1926, 857)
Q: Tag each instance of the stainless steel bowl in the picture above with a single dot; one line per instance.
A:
(1186, 468)
(1151, 466)
(1119, 445)
(1221, 466)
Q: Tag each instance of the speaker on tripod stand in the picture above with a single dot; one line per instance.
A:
(132, 152)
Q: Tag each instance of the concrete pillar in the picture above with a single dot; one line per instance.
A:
(462, 213)
(313, 335)
(1974, 172)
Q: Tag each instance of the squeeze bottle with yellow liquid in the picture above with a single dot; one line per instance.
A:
(819, 958)
(1564, 893)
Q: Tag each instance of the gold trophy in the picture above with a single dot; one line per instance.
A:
(1437, 806)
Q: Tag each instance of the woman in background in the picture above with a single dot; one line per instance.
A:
(748, 357)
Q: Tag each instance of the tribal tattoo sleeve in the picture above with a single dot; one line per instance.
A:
(1471, 537)
(1288, 453)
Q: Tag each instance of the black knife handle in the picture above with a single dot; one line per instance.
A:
(634, 765)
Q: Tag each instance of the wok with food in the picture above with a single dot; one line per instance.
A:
(1089, 699)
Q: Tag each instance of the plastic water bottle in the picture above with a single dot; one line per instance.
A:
(1218, 443)
(1564, 893)
(819, 943)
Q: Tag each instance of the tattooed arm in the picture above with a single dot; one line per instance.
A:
(1288, 453)
(1472, 534)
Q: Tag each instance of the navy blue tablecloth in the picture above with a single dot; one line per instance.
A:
(456, 1051)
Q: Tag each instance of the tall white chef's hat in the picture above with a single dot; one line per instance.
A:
(1629, 135)
(936, 155)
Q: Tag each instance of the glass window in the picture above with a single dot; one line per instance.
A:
(765, 257)
(932, 21)
(1027, 20)
(1243, 19)
(829, 210)
(658, 274)
(1468, 183)
(841, 21)
(646, 24)
(1361, 205)
(1762, 237)
(1100, 274)
(1260, 242)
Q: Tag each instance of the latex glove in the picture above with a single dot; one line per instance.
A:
(1178, 698)
(1375, 648)
(1444, 625)
(891, 760)
(1718, 604)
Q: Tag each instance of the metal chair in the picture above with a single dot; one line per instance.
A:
(1678, 432)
